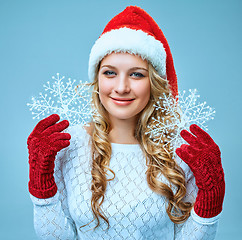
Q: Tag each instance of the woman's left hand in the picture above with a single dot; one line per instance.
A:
(203, 156)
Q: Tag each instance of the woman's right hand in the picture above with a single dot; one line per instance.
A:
(43, 143)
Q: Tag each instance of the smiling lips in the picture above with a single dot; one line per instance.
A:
(122, 101)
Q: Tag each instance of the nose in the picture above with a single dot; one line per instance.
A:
(122, 85)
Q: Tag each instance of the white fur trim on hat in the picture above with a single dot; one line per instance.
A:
(131, 41)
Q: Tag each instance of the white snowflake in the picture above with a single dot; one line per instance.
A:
(183, 111)
(64, 98)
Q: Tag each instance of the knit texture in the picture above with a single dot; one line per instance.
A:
(132, 208)
(43, 144)
(204, 158)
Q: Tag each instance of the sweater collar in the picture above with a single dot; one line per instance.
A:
(121, 147)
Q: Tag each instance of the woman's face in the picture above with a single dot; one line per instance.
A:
(124, 85)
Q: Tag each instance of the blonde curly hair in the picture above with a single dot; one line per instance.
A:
(159, 159)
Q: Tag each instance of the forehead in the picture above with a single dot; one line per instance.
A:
(124, 59)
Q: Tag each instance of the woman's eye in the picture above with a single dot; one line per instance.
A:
(109, 73)
(137, 74)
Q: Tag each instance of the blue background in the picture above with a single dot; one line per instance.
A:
(40, 38)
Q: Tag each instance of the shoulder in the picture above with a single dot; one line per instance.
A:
(79, 139)
(79, 146)
(185, 167)
(79, 135)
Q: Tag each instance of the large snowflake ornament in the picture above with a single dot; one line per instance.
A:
(71, 102)
(178, 114)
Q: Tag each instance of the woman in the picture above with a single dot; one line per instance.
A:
(109, 180)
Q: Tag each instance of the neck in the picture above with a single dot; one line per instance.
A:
(122, 131)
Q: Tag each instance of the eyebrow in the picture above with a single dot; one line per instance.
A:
(134, 68)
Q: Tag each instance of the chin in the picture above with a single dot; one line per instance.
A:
(122, 113)
(123, 116)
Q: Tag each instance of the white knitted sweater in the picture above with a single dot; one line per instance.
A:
(134, 211)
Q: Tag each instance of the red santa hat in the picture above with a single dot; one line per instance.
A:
(135, 31)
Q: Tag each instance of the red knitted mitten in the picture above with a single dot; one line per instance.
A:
(43, 144)
(203, 156)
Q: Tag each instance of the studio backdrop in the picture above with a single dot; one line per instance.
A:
(39, 39)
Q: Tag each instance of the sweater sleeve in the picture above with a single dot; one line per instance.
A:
(195, 226)
(52, 219)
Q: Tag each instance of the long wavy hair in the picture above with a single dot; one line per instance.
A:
(159, 158)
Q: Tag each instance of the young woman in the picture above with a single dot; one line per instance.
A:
(110, 180)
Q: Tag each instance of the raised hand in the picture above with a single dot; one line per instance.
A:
(43, 143)
(203, 156)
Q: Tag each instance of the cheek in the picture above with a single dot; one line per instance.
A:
(143, 90)
(105, 88)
